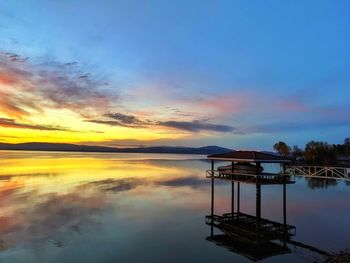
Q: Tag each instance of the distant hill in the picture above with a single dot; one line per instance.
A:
(38, 146)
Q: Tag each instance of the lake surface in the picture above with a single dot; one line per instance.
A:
(113, 207)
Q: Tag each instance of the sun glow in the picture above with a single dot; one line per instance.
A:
(76, 130)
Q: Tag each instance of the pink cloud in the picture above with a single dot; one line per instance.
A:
(224, 104)
(292, 106)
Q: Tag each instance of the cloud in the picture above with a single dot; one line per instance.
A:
(126, 120)
(15, 57)
(110, 123)
(10, 105)
(27, 86)
(197, 126)
(120, 119)
(11, 123)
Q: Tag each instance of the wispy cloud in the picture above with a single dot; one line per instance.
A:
(11, 123)
(120, 119)
(26, 86)
(197, 126)
(127, 120)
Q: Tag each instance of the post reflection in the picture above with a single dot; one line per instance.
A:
(252, 236)
(257, 238)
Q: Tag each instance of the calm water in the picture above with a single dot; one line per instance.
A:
(84, 207)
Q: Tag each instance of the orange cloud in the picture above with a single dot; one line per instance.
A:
(10, 108)
(7, 79)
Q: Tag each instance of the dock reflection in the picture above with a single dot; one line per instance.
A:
(258, 238)
(252, 236)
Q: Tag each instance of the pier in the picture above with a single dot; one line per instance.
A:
(321, 172)
(240, 228)
(252, 236)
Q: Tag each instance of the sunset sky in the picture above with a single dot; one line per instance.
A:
(239, 74)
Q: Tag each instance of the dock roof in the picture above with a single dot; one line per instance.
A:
(249, 156)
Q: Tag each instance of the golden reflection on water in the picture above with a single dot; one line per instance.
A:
(52, 174)
(54, 198)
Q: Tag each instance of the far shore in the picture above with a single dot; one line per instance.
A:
(63, 147)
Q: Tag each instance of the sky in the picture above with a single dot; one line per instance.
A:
(238, 74)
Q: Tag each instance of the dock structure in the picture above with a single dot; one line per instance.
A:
(320, 172)
(252, 251)
(240, 228)
(255, 176)
(252, 236)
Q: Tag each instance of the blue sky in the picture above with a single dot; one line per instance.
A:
(239, 74)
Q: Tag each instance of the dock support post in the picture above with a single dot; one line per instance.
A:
(232, 192)
(212, 199)
(258, 210)
(238, 197)
(284, 212)
(258, 201)
(258, 204)
(212, 188)
(284, 204)
(285, 207)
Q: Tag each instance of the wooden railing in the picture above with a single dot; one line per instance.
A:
(264, 178)
(322, 172)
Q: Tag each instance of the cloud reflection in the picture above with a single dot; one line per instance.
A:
(126, 184)
(117, 185)
(191, 181)
(50, 201)
(49, 218)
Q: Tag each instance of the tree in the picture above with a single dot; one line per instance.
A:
(282, 148)
(297, 153)
(320, 153)
(347, 146)
(347, 141)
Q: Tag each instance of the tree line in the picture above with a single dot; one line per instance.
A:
(316, 152)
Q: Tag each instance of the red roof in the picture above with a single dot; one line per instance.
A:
(249, 156)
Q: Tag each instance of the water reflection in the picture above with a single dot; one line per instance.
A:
(116, 185)
(54, 201)
(125, 184)
(257, 238)
(315, 183)
(62, 207)
(29, 217)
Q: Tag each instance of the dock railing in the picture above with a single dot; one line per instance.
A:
(322, 172)
(268, 178)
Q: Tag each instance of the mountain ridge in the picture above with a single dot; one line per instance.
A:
(67, 147)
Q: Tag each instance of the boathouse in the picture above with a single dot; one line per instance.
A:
(247, 167)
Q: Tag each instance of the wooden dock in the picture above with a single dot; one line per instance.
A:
(261, 178)
(250, 227)
(252, 236)
(321, 172)
(235, 175)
